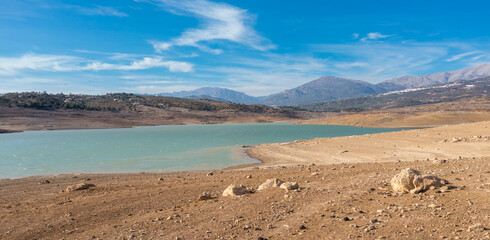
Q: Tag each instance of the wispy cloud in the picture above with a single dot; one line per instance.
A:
(374, 36)
(460, 56)
(379, 61)
(95, 10)
(220, 21)
(52, 63)
(154, 89)
(102, 11)
(266, 74)
(146, 63)
(376, 61)
(61, 63)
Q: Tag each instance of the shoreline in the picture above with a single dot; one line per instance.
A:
(445, 142)
(266, 156)
(343, 197)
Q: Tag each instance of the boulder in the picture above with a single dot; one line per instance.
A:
(410, 180)
(272, 182)
(80, 186)
(403, 182)
(290, 186)
(235, 190)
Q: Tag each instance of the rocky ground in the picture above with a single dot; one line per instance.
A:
(22, 119)
(343, 201)
(420, 116)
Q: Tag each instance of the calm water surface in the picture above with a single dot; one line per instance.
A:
(157, 148)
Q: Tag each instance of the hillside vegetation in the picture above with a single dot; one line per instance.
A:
(118, 102)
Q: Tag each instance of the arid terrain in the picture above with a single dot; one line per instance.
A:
(422, 116)
(344, 194)
(21, 119)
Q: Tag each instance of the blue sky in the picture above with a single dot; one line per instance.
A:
(255, 46)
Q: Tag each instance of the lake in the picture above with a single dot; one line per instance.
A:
(155, 148)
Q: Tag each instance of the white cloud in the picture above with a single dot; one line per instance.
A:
(268, 74)
(146, 63)
(220, 21)
(96, 10)
(374, 36)
(61, 63)
(462, 55)
(355, 35)
(377, 61)
(101, 11)
(53, 63)
(155, 89)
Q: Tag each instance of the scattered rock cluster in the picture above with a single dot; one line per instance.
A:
(237, 190)
(467, 139)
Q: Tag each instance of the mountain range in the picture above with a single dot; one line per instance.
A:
(322, 90)
(215, 93)
(405, 82)
(330, 88)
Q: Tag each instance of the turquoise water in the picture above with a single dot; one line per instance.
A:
(157, 148)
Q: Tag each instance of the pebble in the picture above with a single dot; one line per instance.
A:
(477, 227)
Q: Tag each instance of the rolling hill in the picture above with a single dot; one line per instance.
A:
(321, 90)
(410, 97)
(214, 93)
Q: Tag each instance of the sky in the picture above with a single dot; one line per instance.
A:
(258, 47)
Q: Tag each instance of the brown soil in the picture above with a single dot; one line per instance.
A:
(350, 199)
(447, 142)
(22, 119)
(404, 119)
(422, 116)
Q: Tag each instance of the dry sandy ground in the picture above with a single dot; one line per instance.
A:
(404, 119)
(21, 119)
(348, 200)
(447, 142)
(421, 116)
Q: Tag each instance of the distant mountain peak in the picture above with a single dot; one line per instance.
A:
(215, 93)
(323, 89)
(400, 83)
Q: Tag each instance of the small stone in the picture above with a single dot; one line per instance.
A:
(290, 186)
(477, 227)
(246, 227)
(270, 183)
(235, 190)
(302, 227)
(45, 181)
(248, 176)
(160, 179)
(369, 228)
(80, 186)
(205, 196)
(373, 221)
(209, 174)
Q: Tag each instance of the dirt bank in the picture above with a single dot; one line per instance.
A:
(349, 200)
